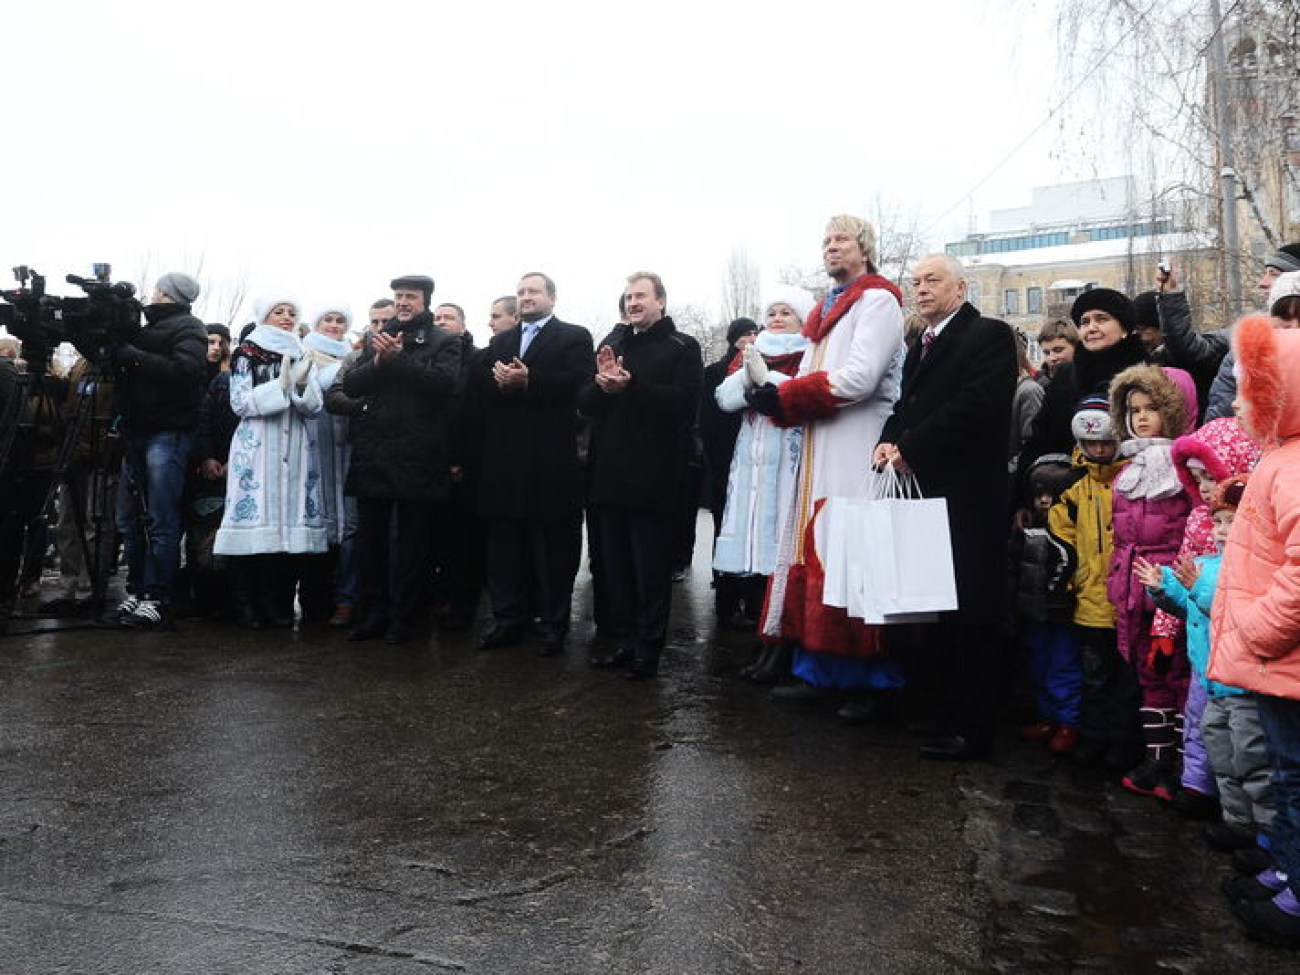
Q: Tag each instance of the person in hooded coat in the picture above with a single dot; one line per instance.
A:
(1255, 619)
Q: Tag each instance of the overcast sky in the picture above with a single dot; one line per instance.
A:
(323, 149)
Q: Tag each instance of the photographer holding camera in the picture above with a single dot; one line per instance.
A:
(160, 378)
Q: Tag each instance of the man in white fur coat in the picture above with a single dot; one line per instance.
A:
(845, 390)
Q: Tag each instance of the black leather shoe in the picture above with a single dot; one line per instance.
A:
(863, 711)
(640, 670)
(500, 636)
(801, 693)
(620, 656)
(398, 635)
(951, 748)
(368, 630)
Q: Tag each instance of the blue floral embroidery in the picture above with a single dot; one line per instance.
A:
(246, 509)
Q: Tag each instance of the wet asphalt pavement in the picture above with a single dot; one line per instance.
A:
(212, 800)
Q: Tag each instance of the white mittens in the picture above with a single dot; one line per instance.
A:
(756, 371)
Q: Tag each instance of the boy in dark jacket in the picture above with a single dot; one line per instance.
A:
(1044, 608)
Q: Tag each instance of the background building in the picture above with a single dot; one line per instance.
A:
(1033, 261)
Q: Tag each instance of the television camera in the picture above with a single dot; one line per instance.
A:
(96, 322)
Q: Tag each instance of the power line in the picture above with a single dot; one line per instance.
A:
(1051, 114)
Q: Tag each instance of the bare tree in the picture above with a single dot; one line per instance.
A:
(694, 321)
(1139, 76)
(811, 279)
(740, 287)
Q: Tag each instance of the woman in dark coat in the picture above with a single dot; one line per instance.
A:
(1108, 344)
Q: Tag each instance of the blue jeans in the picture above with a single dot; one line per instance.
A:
(1280, 719)
(347, 588)
(153, 473)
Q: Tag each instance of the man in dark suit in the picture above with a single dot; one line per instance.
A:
(531, 487)
(949, 427)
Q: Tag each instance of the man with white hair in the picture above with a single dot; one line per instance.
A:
(949, 428)
(846, 386)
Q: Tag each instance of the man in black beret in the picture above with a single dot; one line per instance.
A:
(405, 379)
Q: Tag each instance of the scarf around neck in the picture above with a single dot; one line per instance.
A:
(782, 351)
(819, 326)
(275, 340)
(1150, 472)
(327, 353)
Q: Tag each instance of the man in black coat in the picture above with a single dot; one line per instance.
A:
(459, 534)
(531, 486)
(400, 464)
(949, 427)
(642, 402)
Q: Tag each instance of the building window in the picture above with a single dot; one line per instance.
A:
(1034, 301)
(1011, 302)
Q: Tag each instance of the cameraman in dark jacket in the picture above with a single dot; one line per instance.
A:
(160, 383)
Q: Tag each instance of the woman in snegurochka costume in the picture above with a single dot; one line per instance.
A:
(326, 345)
(274, 504)
(764, 464)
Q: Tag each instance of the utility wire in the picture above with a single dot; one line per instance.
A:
(1051, 114)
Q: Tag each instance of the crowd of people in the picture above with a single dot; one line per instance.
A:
(1124, 519)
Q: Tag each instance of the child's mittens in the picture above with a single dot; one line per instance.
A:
(1160, 658)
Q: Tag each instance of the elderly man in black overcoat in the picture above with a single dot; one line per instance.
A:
(531, 489)
(949, 427)
(400, 466)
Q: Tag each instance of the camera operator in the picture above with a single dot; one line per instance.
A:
(161, 386)
(25, 471)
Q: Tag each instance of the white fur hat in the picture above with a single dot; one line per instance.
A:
(269, 299)
(797, 298)
(1285, 285)
(323, 308)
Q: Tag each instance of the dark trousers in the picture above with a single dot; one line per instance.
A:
(1280, 719)
(396, 601)
(954, 677)
(1112, 697)
(637, 549)
(459, 556)
(531, 566)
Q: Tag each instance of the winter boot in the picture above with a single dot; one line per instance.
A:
(1171, 786)
(777, 667)
(1274, 922)
(759, 662)
(241, 593)
(1157, 769)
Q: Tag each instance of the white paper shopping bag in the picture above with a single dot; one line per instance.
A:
(899, 555)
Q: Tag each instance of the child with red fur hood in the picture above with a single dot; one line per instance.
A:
(1149, 406)
(1255, 621)
(1218, 450)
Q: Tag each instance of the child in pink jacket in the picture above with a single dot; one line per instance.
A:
(1203, 458)
(1150, 406)
(1255, 622)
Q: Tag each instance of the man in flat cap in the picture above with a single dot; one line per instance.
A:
(405, 380)
(160, 382)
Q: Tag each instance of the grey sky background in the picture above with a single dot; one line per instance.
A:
(322, 149)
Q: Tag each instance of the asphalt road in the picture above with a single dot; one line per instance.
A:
(210, 800)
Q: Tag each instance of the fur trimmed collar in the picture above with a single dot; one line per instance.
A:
(819, 326)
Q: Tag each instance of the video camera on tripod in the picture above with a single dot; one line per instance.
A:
(96, 323)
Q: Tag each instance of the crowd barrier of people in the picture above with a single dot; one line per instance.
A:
(1124, 520)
